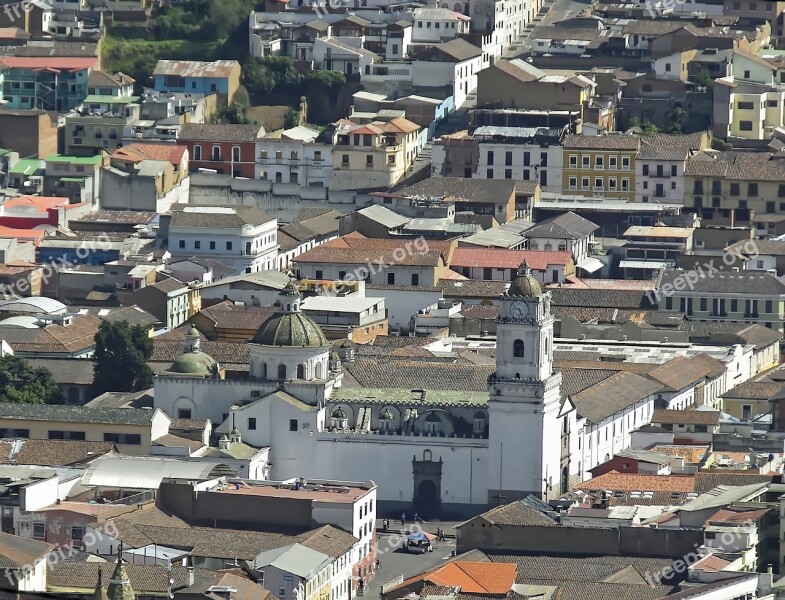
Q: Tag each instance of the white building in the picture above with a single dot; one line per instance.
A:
(521, 153)
(345, 55)
(436, 25)
(243, 237)
(659, 168)
(293, 156)
(452, 66)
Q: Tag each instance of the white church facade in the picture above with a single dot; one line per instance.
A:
(433, 449)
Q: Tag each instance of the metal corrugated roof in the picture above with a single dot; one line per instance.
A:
(142, 472)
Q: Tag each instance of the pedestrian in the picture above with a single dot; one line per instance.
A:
(384, 524)
(403, 519)
(438, 535)
(416, 517)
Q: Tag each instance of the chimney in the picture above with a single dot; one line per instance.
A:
(190, 576)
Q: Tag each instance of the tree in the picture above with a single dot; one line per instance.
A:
(120, 359)
(21, 383)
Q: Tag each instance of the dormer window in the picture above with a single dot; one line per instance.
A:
(479, 423)
(433, 423)
(339, 419)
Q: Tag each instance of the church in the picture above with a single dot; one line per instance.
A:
(430, 448)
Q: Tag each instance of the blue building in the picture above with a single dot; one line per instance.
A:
(197, 77)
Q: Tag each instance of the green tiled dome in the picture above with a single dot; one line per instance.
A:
(525, 283)
(291, 329)
(193, 363)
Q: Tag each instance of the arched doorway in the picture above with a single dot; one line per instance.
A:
(300, 371)
(427, 500)
(281, 372)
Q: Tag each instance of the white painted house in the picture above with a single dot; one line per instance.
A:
(243, 237)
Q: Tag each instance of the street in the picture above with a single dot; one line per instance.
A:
(396, 562)
(557, 10)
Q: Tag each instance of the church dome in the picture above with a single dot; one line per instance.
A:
(290, 329)
(386, 415)
(338, 414)
(525, 283)
(433, 418)
(193, 363)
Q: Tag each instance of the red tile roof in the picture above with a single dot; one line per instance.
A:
(501, 258)
(727, 516)
(137, 152)
(615, 481)
(68, 63)
(477, 577)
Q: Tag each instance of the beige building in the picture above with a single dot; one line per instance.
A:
(516, 83)
(98, 124)
(600, 166)
(373, 155)
(132, 430)
(740, 181)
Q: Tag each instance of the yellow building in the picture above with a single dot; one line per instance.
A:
(750, 399)
(132, 430)
(600, 166)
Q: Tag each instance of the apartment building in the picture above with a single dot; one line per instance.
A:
(243, 237)
(735, 181)
(226, 149)
(750, 102)
(521, 153)
(48, 83)
(771, 11)
(373, 155)
(436, 25)
(729, 297)
(98, 124)
(659, 168)
(601, 166)
(295, 156)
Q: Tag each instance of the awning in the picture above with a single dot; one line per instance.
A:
(73, 179)
(590, 264)
(645, 264)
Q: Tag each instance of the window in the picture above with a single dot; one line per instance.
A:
(236, 153)
(745, 125)
(39, 531)
(781, 191)
(415, 279)
(667, 67)
(77, 533)
(771, 103)
(704, 304)
(228, 245)
(212, 245)
(508, 173)
(216, 153)
(746, 105)
(734, 305)
(490, 157)
(345, 160)
(252, 423)
(752, 189)
(517, 348)
(598, 183)
(319, 274)
(390, 278)
(769, 306)
(181, 244)
(183, 413)
(573, 160)
(625, 185)
(197, 152)
(585, 161)
(292, 424)
(369, 160)
(612, 162)
(598, 163)
(508, 158)
(746, 411)
(573, 183)
(645, 169)
(197, 244)
(735, 189)
(585, 183)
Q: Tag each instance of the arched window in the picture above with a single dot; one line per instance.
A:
(517, 348)
(264, 370)
(281, 371)
(318, 370)
(300, 371)
(197, 153)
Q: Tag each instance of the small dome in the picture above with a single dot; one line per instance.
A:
(193, 331)
(479, 415)
(193, 363)
(334, 357)
(387, 415)
(338, 414)
(525, 283)
(290, 329)
(433, 418)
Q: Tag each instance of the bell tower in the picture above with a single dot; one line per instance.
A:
(525, 396)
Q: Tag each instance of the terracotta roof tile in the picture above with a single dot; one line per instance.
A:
(500, 258)
(632, 482)
(692, 417)
(476, 578)
(51, 452)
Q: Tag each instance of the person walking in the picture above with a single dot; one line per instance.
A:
(403, 519)
(416, 517)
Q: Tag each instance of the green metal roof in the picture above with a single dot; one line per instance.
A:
(74, 160)
(73, 179)
(26, 166)
(427, 398)
(193, 363)
(111, 99)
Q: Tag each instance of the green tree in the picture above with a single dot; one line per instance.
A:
(21, 383)
(704, 79)
(120, 359)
